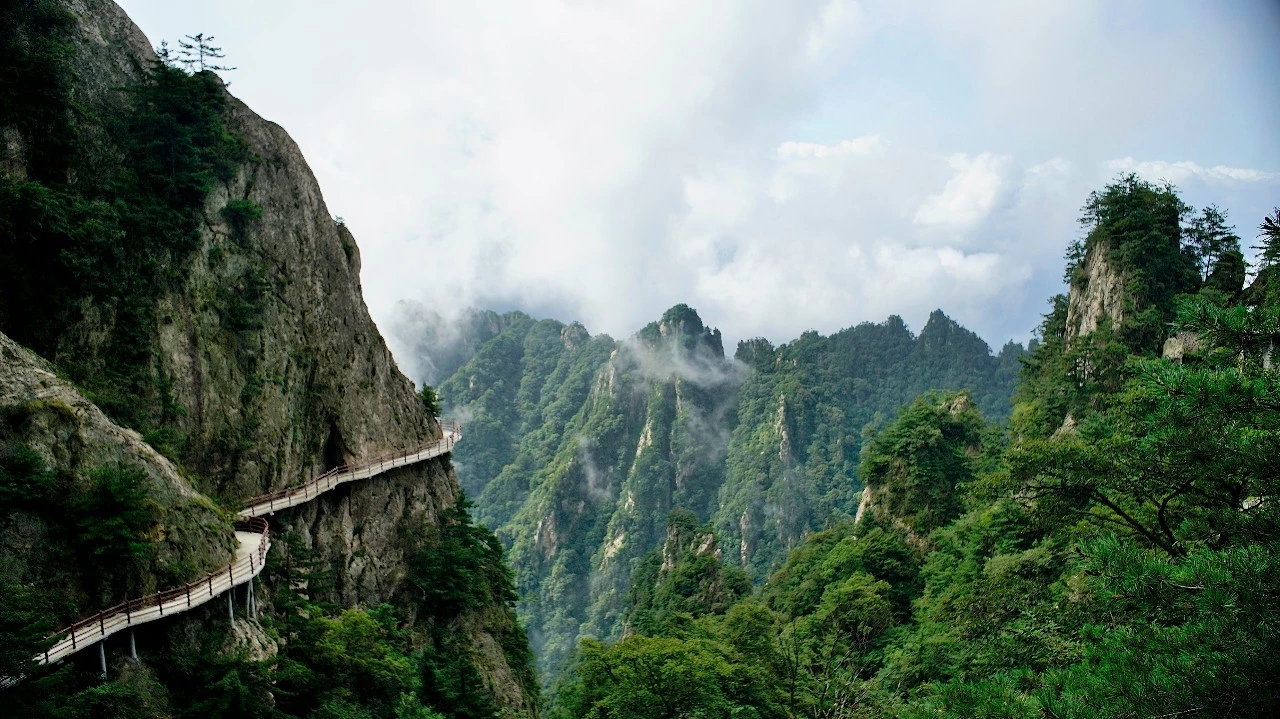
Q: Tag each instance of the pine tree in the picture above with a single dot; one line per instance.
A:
(199, 54)
(1209, 238)
(1269, 235)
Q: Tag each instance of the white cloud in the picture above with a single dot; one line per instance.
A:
(831, 237)
(970, 195)
(778, 165)
(791, 150)
(1184, 170)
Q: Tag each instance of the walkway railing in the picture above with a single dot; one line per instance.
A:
(169, 602)
(293, 496)
(251, 555)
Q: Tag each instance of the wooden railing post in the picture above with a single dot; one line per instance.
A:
(290, 497)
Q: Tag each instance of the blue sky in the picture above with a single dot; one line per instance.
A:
(779, 166)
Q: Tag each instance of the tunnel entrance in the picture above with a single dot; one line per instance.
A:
(334, 450)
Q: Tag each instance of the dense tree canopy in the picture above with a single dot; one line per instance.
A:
(1113, 552)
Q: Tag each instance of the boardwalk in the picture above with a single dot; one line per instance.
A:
(253, 539)
(293, 496)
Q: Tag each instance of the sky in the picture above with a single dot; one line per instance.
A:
(779, 166)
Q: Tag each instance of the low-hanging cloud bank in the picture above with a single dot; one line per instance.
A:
(780, 166)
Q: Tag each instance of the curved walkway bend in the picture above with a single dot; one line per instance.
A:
(253, 537)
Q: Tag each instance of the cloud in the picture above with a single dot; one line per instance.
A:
(864, 226)
(791, 150)
(779, 165)
(968, 196)
(1184, 170)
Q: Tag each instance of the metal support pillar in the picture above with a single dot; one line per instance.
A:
(231, 608)
(102, 656)
(133, 647)
(248, 598)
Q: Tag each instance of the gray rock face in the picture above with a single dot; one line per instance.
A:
(306, 383)
(48, 415)
(266, 353)
(1098, 296)
(1179, 345)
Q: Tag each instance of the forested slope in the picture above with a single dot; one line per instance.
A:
(1111, 552)
(578, 446)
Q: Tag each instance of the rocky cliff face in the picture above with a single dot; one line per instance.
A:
(1097, 293)
(306, 383)
(73, 441)
(266, 367)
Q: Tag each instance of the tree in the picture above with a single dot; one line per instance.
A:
(1269, 234)
(165, 54)
(1209, 238)
(430, 401)
(1228, 274)
(1177, 462)
(658, 678)
(199, 54)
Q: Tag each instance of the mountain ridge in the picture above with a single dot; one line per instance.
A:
(579, 445)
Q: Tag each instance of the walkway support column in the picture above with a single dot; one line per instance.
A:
(102, 656)
(231, 608)
(133, 647)
(248, 598)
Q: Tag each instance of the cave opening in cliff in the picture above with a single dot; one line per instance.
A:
(333, 448)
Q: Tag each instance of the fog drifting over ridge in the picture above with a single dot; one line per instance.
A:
(778, 166)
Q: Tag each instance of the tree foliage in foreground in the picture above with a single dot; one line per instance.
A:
(1116, 553)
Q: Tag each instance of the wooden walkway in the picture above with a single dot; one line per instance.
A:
(293, 496)
(254, 540)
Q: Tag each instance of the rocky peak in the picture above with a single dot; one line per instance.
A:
(941, 333)
(681, 329)
(1097, 293)
(757, 353)
(685, 537)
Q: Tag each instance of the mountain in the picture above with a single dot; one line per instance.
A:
(1111, 551)
(579, 447)
(793, 457)
(182, 328)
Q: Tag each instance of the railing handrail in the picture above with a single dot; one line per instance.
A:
(452, 433)
(254, 525)
(251, 524)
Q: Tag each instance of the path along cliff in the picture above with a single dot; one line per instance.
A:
(252, 543)
(228, 345)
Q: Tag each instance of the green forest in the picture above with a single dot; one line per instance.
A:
(578, 446)
(1111, 550)
(879, 522)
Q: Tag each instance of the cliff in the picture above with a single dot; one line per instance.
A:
(237, 342)
(66, 467)
(1097, 294)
